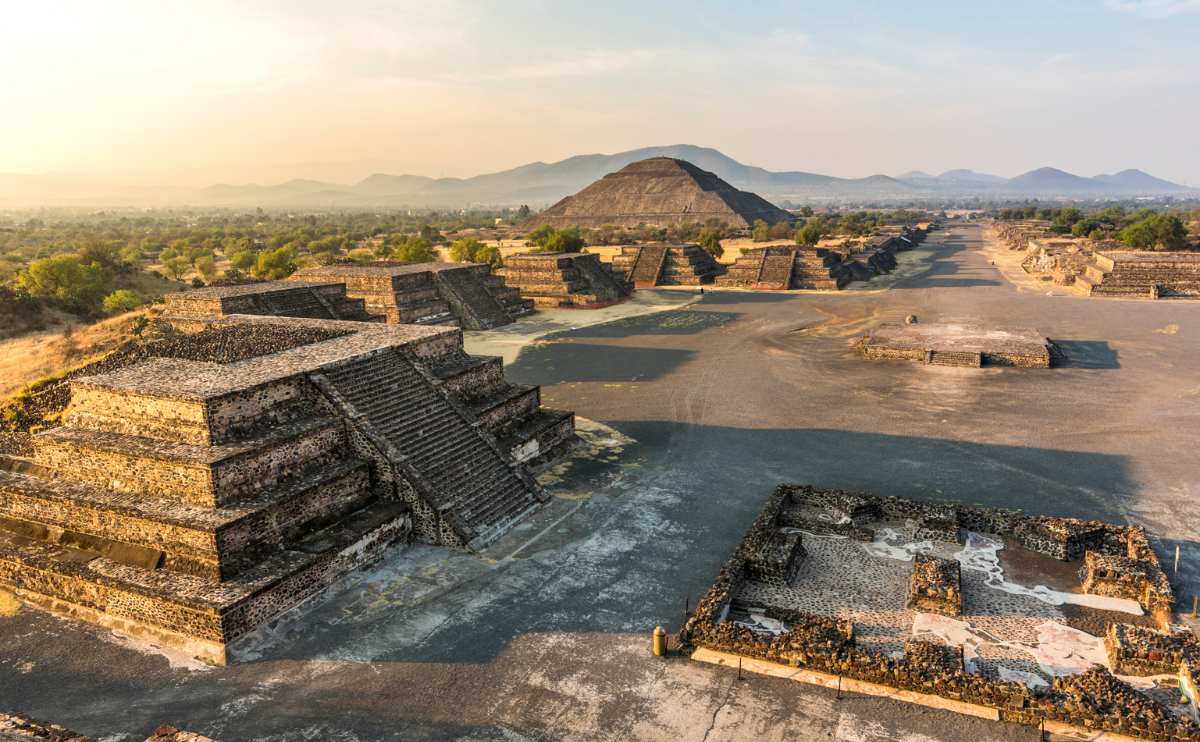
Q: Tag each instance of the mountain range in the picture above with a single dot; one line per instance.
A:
(539, 184)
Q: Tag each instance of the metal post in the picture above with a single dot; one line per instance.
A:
(1195, 604)
(839, 690)
(1176, 560)
(739, 668)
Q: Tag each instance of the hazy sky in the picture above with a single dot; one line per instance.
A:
(215, 90)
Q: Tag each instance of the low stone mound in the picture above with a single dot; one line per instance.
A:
(192, 310)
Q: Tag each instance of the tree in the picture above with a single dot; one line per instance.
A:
(761, 231)
(415, 249)
(549, 239)
(780, 230)
(1158, 231)
(66, 278)
(809, 235)
(107, 254)
(206, 266)
(121, 301)
(523, 212)
(806, 212)
(275, 264)
(176, 267)
(710, 240)
(243, 260)
(471, 250)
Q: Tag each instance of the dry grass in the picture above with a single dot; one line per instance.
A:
(69, 342)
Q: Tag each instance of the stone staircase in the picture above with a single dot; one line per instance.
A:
(509, 298)
(820, 268)
(779, 268)
(511, 412)
(473, 303)
(464, 476)
(647, 266)
(688, 265)
(1141, 275)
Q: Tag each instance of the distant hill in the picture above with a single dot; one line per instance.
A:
(540, 184)
(1138, 181)
(1051, 180)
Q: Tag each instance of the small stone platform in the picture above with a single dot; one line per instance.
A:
(950, 344)
(647, 266)
(557, 279)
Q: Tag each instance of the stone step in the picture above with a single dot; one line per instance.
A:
(211, 543)
(209, 476)
(507, 406)
(189, 612)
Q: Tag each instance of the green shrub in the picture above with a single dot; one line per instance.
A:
(121, 301)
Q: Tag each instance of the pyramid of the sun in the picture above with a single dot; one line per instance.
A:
(659, 191)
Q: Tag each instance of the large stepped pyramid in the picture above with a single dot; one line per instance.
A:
(556, 279)
(1141, 274)
(190, 497)
(660, 191)
(647, 266)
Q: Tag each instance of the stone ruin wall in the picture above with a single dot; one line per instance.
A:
(163, 418)
(1093, 700)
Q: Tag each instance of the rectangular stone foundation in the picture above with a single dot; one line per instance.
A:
(957, 345)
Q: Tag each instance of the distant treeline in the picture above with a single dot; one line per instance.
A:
(1143, 229)
(110, 262)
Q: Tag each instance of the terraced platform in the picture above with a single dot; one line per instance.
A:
(189, 500)
(576, 280)
(466, 294)
(647, 266)
(1145, 275)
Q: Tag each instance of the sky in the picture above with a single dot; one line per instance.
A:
(192, 93)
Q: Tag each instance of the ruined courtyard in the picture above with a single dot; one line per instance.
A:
(690, 413)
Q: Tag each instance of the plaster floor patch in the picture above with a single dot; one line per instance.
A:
(981, 555)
